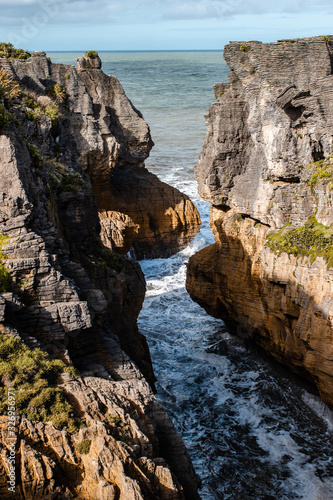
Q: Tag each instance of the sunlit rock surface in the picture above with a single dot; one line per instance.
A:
(266, 165)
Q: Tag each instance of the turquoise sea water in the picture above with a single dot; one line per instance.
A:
(251, 431)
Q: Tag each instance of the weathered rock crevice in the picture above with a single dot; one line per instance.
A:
(269, 274)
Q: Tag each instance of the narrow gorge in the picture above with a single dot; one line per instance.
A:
(126, 384)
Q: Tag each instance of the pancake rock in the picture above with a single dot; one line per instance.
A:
(159, 220)
(266, 168)
(64, 292)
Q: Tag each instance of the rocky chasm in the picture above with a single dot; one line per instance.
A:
(266, 167)
(74, 188)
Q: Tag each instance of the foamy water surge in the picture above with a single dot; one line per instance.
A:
(251, 432)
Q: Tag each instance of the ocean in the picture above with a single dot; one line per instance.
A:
(252, 431)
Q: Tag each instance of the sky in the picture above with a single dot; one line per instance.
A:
(55, 25)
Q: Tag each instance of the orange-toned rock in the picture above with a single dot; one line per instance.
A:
(267, 169)
(160, 219)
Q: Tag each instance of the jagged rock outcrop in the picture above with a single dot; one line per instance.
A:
(63, 291)
(115, 455)
(266, 169)
(114, 141)
(110, 139)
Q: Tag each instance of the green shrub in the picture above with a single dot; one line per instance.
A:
(67, 76)
(36, 157)
(5, 276)
(84, 447)
(312, 240)
(34, 110)
(326, 39)
(7, 50)
(57, 92)
(29, 100)
(114, 419)
(5, 279)
(52, 110)
(6, 118)
(244, 48)
(71, 182)
(33, 114)
(33, 375)
(92, 54)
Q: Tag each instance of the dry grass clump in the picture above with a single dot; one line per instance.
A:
(9, 88)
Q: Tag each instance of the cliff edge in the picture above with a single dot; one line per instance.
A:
(267, 169)
(73, 363)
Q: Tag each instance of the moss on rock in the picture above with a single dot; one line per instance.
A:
(312, 240)
(322, 170)
(34, 376)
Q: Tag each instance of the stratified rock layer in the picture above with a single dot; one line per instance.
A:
(157, 220)
(261, 169)
(111, 141)
(74, 298)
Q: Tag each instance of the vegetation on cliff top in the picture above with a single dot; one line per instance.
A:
(92, 54)
(8, 50)
(34, 375)
(312, 240)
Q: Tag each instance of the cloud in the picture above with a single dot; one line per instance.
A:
(99, 12)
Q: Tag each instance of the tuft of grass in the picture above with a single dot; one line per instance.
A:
(84, 446)
(71, 182)
(312, 240)
(67, 76)
(34, 376)
(325, 38)
(244, 48)
(6, 118)
(9, 88)
(5, 276)
(36, 157)
(58, 92)
(33, 110)
(52, 110)
(114, 419)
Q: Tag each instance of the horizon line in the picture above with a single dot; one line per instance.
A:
(143, 50)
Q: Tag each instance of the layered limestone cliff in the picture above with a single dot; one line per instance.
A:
(267, 170)
(110, 139)
(63, 134)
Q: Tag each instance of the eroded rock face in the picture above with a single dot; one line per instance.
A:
(74, 298)
(110, 139)
(123, 424)
(262, 167)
